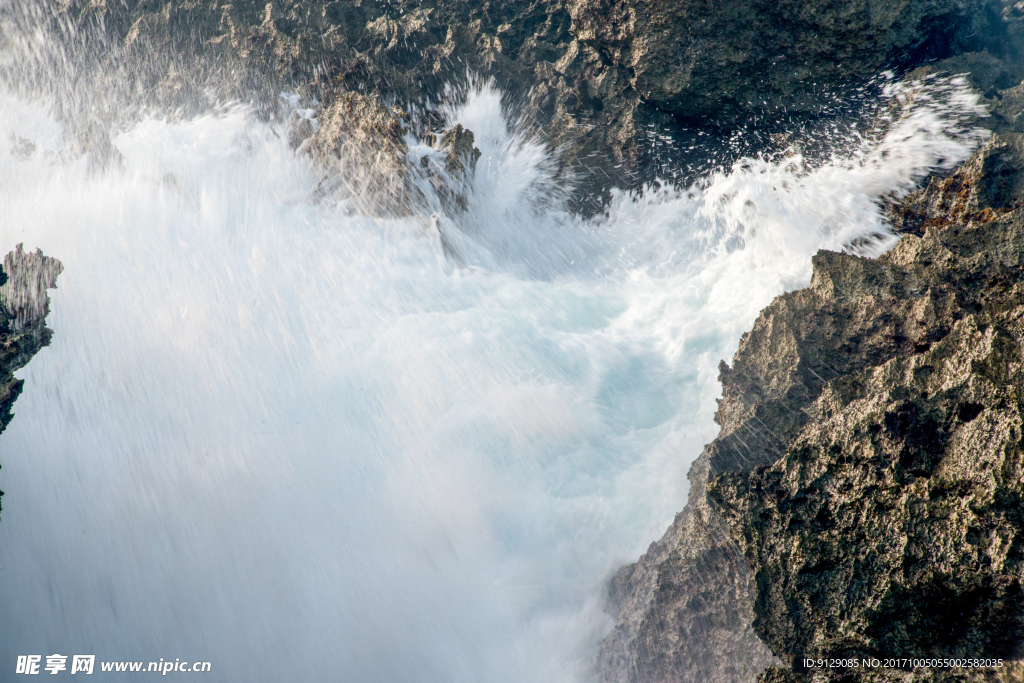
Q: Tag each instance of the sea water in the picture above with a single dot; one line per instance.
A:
(306, 443)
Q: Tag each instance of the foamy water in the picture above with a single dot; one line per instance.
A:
(306, 445)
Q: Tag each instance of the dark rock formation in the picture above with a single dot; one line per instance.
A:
(24, 306)
(719, 60)
(996, 70)
(685, 608)
(891, 524)
(605, 81)
(869, 464)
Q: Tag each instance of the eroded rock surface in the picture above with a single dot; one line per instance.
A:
(869, 465)
(685, 608)
(716, 60)
(890, 521)
(604, 81)
(24, 305)
(360, 145)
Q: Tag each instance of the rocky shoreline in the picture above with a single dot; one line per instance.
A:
(626, 91)
(787, 548)
(24, 305)
(864, 496)
(891, 524)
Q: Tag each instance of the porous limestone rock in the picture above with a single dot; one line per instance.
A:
(889, 521)
(360, 146)
(24, 305)
(869, 465)
(606, 82)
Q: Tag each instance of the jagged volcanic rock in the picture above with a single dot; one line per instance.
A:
(596, 76)
(24, 306)
(868, 462)
(716, 60)
(891, 525)
(685, 608)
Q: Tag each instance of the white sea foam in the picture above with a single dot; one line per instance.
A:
(304, 445)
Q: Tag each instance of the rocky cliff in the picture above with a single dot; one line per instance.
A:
(625, 89)
(686, 607)
(869, 466)
(873, 509)
(24, 305)
(872, 412)
(890, 523)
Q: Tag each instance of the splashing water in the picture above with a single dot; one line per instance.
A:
(304, 445)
